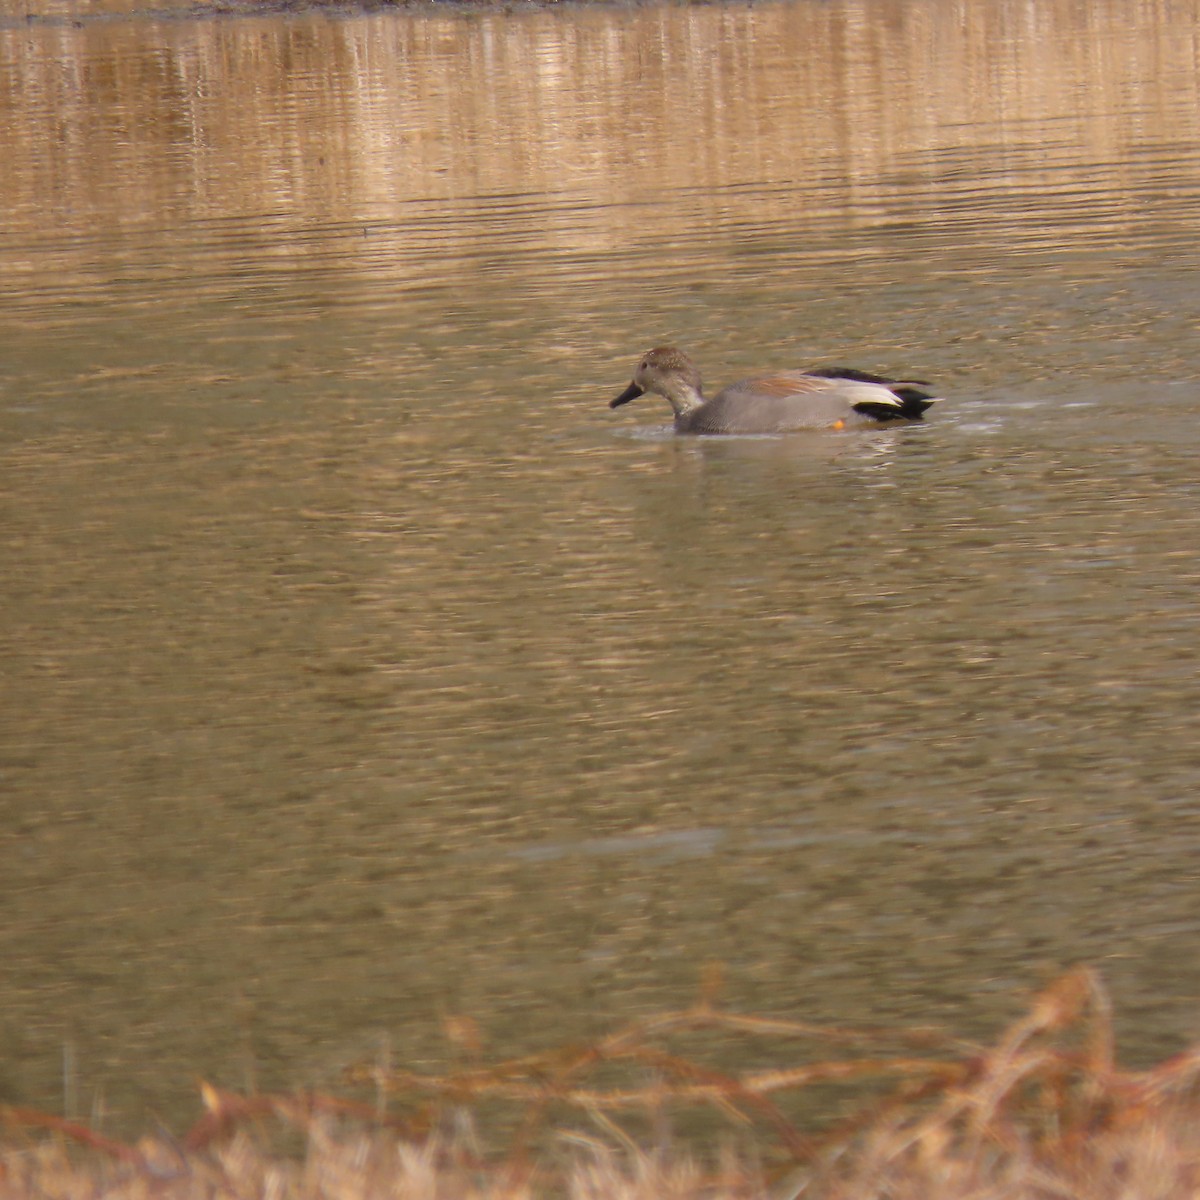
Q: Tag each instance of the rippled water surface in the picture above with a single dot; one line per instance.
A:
(361, 667)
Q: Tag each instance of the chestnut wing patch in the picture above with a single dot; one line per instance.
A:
(782, 384)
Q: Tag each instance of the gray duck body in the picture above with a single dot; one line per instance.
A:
(779, 402)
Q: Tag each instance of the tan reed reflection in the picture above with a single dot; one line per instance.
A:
(130, 121)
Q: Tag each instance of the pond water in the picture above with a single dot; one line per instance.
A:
(362, 668)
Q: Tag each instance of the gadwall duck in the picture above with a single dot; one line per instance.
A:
(829, 398)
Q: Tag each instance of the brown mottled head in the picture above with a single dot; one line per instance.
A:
(667, 372)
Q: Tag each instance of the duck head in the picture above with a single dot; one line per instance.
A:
(667, 372)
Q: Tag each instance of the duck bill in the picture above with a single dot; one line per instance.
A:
(632, 392)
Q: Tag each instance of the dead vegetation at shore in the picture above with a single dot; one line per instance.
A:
(1044, 1112)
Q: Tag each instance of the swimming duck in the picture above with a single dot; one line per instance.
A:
(828, 398)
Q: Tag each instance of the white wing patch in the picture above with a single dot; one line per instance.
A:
(856, 393)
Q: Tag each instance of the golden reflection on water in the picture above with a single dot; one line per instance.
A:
(125, 121)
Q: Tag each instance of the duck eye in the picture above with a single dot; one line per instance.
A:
(645, 365)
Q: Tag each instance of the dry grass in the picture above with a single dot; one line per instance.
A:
(1044, 1113)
